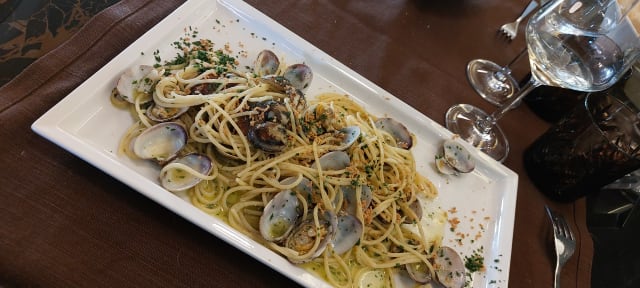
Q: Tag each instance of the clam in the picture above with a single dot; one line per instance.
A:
(277, 83)
(303, 237)
(348, 136)
(321, 116)
(266, 63)
(420, 272)
(416, 208)
(334, 160)
(177, 179)
(159, 113)
(348, 233)
(372, 278)
(272, 111)
(268, 136)
(350, 201)
(443, 166)
(304, 188)
(160, 142)
(457, 156)
(299, 75)
(281, 213)
(397, 130)
(296, 98)
(279, 216)
(449, 268)
(137, 82)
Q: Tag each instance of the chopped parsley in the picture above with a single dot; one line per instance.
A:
(474, 262)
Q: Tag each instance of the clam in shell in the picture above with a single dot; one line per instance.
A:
(348, 233)
(397, 130)
(334, 160)
(458, 157)
(348, 136)
(449, 268)
(160, 113)
(299, 75)
(175, 178)
(453, 158)
(279, 216)
(268, 136)
(267, 63)
(160, 142)
(303, 237)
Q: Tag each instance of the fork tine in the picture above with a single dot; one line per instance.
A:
(560, 225)
(554, 221)
(506, 32)
(567, 230)
(549, 212)
(511, 29)
(563, 226)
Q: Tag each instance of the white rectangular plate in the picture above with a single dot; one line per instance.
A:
(86, 124)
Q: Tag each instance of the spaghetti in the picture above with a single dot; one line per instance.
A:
(264, 137)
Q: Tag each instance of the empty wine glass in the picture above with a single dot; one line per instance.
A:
(491, 81)
(495, 83)
(581, 45)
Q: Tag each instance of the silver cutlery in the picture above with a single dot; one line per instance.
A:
(511, 29)
(564, 242)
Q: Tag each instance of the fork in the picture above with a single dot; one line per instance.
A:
(564, 241)
(511, 29)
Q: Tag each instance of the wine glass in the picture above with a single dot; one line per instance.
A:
(582, 45)
(494, 83)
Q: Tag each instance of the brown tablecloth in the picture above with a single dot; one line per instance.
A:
(64, 223)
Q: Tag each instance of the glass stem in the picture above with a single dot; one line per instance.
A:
(514, 60)
(488, 122)
(506, 70)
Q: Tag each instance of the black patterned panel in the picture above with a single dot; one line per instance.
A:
(29, 29)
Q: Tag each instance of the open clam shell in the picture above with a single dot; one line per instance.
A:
(266, 63)
(397, 130)
(416, 209)
(348, 233)
(349, 136)
(443, 166)
(277, 83)
(453, 158)
(279, 216)
(177, 179)
(449, 267)
(268, 136)
(350, 200)
(420, 272)
(299, 75)
(160, 142)
(457, 156)
(334, 160)
(159, 113)
(304, 235)
(304, 188)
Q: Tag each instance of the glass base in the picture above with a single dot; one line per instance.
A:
(491, 82)
(462, 119)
